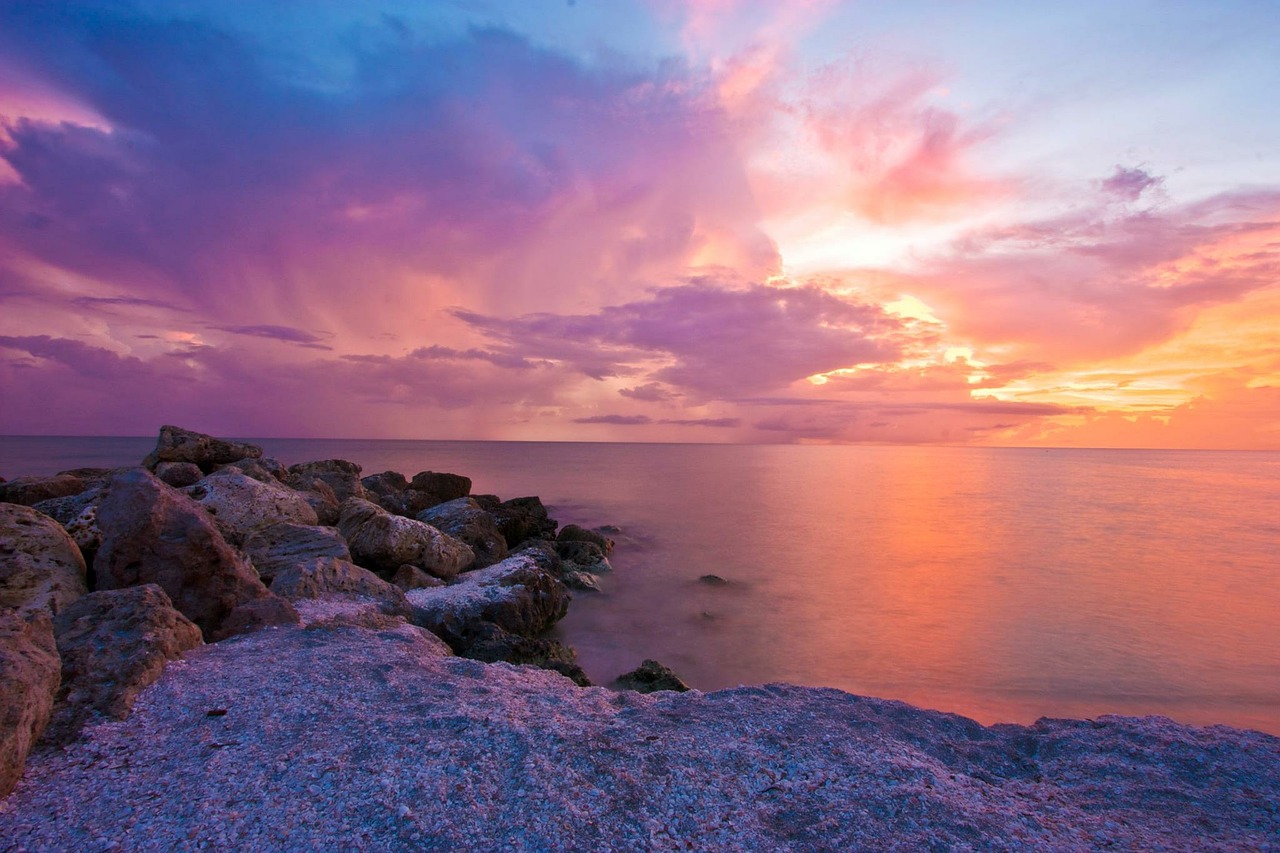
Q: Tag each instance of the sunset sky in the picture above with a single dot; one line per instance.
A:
(1000, 223)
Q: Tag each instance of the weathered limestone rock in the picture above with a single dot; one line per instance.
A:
(574, 533)
(32, 490)
(582, 556)
(78, 515)
(266, 470)
(41, 568)
(465, 520)
(517, 595)
(437, 488)
(113, 644)
(328, 576)
(320, 496)
(412, 577)
(277, 547)
(29, 677)
(492, 644)
(519, 519)
(178, 474)
(269, 611)
(338, 474)
(176, 444)
(385, 542)
(152, 533)
(242, 504)
(651, 677)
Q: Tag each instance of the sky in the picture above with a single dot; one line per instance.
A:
(960, 222)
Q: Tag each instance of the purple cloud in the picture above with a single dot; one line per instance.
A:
(616, 420)
(1130, 184)
(717, 423)
(650, 392)
(287, 334)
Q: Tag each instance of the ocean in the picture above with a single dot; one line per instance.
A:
(1001, 584)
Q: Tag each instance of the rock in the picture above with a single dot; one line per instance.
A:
(582, 556)
(329, 576)
(269, 611)
(519, 518)
(152, 533)
(543, 552)
(331, 614)
(78, 515)
(338, 474)
(265, 470)
(386, 483)
(41, 568)
(176, 444)
(437, 488)
(32, 490)
(713, 580)
(280, 546)
(584, 581)
(242, 504)
(113, 644)
(29, 676)
(385, 542)
(517, 595)
(574, 533)
(90, 476)
(463, 519)
(492, 644)
(178, 474)
(412, 577)
(651, 677)
(320, 496)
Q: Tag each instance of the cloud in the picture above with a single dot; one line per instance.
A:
(616, 420)
(715, 423)
(650, 392)
(287, 334)
(1130, 184)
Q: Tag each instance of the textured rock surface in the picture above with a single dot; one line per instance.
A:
(266, 470)
(320, 496)
(424, 751)
(113, 644)
(176, 444)
(385, 542)
(581, 556)
(519, 518)
(78, 515)
(41, 568)
(492, 644)
(412, 577)
(152, 533)
(178, 474)
(242, 504)
(517, 595)
(31, 490)
(267, 611)
(328, 576)
(650, 677)
(281, 546)
(574, 533)
(341, 476)
(29, 676)
(466, 521)
(438, 488)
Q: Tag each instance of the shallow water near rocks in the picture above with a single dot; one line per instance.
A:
(1002, 584)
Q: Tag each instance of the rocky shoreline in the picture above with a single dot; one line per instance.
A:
(162, 621)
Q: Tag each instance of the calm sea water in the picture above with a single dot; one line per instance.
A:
(997, 583)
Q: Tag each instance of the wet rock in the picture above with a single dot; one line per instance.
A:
(582, 556)
(713, 580)
(574, 533)
(29, 676)
(242, 504)
(152, 533)
(463, 519)
(651, 677)
(517, 595)
(329, 576)
(32, 490)
(41, 568)
(584, 581)
(492, 644)
(519, 519)
(341, 476)
(412, 577)
(178, 474)
(113, 644)
(176, 444)
(277, 547)
(385, 542)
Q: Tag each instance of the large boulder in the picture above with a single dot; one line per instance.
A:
(29, 675)
(178, 474)
(341, 476)
(281, 546)
(113, 644)
(465, 520)
(78, 515)
(265, 469)
(385, 542)
(152, 533)
(31, 490)
(517, 595)
(320, 496)
(429, 488)
(41, 568)
(519, 518)
(242, 504)
(574, 533)
(176, 444)
(327, 577)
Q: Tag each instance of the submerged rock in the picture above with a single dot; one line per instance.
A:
(713, 580)
(29, 676)
(651, 677)
(41, 568)
(176, 444)
(574, 533)
(385, 542)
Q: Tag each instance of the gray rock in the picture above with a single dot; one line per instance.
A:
(178, 474)
(277, 547)
(176, 444)
(41, 568)
(582, 556)
(385, 542)
(32, 490)
(412, 577)
(492, 644)
(268, 611)
(152, 533)
(651, 677)
(29, 675)
(519, 519)
(320, 496)
(465, 520)
(113, 644)
(329, 576)
(437, 488)
(242, 504)
(78, 515)
(265, 470)
(574, 533)
(584, 581)
(341, 476)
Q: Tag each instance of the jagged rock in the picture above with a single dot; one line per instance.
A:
(412, 577)
(385, 542)
(519, 518)
(384, 484)
(543, 552)
(517, 595)
(584, 581)
(329, 576)
(41, 568)
(574, 533)
(178, 474)
(492, 644)
(242, 504)
(582, 556)
(277, 547)
(265, 470)
(338, 474)
(152, 533)
(269, 611)
(31, 490)
(78, 515)
(29, 675)
(320, 496)
(437, 488)
(464, 519)
(113, 644)
(176, 444)
(651, 677)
